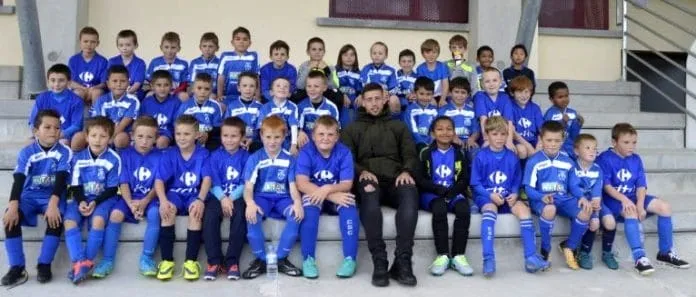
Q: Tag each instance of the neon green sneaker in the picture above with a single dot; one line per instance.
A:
(440, 265)
(192, 270)
(461, 264)
(165, 270)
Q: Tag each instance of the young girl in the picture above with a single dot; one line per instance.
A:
(518, 54)
(385, 75)
(349, 83)
(316, 50)
(443, 179)
(127, 43)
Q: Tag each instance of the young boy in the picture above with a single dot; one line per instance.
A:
(325, 176)
(182, 183)
(434, 70)
(560, 112)
(162, 106)
(119, 106)
(95, 176)
(491, 102)
(458, 65)
(495, 181)
(39, 188)
(314, 106)
(379, 72)
(247, 109)
(518, 55)
(585, 182)
(443, 179)
(405, 78)
(546, 185)
(235, 62)
(136, 184)
(270, 191)
(286, 110)
(485, 58)
(420, 114)
(178, 68)
(526, 117)
(625, 194)
(461, 111)
(88, 67)
(228, 187)
(207, 112)
(278, 67)
(69, 106)
(208, 62)
(127, 43)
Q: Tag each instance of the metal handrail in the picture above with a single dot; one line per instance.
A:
(661, 55)
(666, 20)
(657, 90)
(688, 51)
(661, 73)
(680, 7)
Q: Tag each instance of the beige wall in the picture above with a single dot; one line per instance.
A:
(579, 58)
(10, 47)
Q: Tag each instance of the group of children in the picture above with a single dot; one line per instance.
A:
(150, 157)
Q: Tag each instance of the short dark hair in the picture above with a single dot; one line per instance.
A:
(161, 74)
(386, 48)
(212, 37)
(460, 83)
(146, 121)
(316, 73)
(128, 33)
(235, 122)
(440, 118)
(555, 86)
(59, 69)
(101, 122)
(204, 77)
(242, 30)
(315, 40)
(280, 77)
(622, 129)
(279, 44)
(187, 119)
(519, 46)
(372, 87)
(425, 83)
(407, 53)
(584, 137)
(458, 39)
(172, 37)
(249, 74)
(117, 69)
(88, 31)
(482, 49)
(45, 113)
(552, 127)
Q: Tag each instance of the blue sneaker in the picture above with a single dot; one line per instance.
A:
(81, 271)
(347, 268)
(148, 267)
(104, 268)
(535, 263)
(488, 267)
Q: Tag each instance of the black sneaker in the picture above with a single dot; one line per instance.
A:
(672, 259)
(15, 277)
(402, 271)
(544, 254)
(256, 268)
(284, 266)
(644, 267)
(44, 274)
(380, 275)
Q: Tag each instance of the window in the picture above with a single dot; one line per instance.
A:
(575, 14)
(444, 11)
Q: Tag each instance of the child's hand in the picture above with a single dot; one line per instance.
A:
(471, 144)
(203, 138)
(196, 209)
(52, 216)
(458, 141)
(302, 139)
(565, 118)
(318, 196)
(627, 205)
(227, 206)
(167, 210)
(251, 210)
(366, 175)
(511, 199)
(346, 101)
(596, 204)
(136, 207)
(548, 198)
(297, 210)
(342, 199)
(642, 214)
(83, 207)
(584, 205)
(246, 143)
(90, 208)
(497, 199)
(511, 146)
(293, 150)
(11, 217)
(411, 97)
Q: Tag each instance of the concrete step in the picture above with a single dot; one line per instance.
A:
(12, 107)
(593, 103)
(587, 87)
(639, 120)
(10, 81)
(647, 138)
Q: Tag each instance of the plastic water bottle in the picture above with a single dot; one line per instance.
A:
(271, 262)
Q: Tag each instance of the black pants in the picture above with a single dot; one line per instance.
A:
(460, 234)
(404, 199)
(212, 219)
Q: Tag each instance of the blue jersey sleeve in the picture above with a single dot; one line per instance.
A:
(133, 109)
(35, 109)
(74, 174)
(606, 170)
(292, 76)
(124, 178)
(138, 74)
(23, 162)
(347, 168)
(477, 176)
(516, 176)
(64, 163)
(575, 184)
(76, 118)
(291, 170)
(480, 106)
(206, 169)
(304, 162)
(530, 181)
(641, 181)
(114, 175)
(265, 80)
(292, 120)
(597, 187)
(507, 107)
(164, 171)
(538, 118)
(250, 173)
(217, 116)
(97, 107)
(392, 84)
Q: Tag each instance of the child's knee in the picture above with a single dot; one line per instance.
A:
(70, 224)
(98, 223)
(521, 211)
(394, 104)
(183, 96)
(194, 223)
(122, 140)
(608, 223)
(521, 151)
(162, 142)
(78, 142)
(594, 225)
(116, 216)
(82, 93)
(95, 93)
(490, 207)
(584, 215)
(549, 212)
(663, 208)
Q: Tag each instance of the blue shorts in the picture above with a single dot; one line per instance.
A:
(32, 207)
(427, 198)
(615, 208)
(181, 201)
(274, 207)
(483, 200)
(102, 210)
(128, 216)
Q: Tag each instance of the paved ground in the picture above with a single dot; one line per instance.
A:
(510, 280)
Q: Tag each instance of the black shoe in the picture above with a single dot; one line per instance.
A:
(672, 259)
(402, 271)
(380, 275)
(256, 268)
(544, 254)
(15, 277)
(284, 266)
(644, 267)
(44, 274)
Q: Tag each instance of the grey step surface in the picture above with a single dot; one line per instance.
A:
(647, 138)
(10, 81)
(587, 87)
(640, 121)
(125, 280)
(594, 103)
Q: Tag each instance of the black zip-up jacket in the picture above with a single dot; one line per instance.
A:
(424, 178)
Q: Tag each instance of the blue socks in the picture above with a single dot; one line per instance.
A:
(488, 219)
(15, 252)
(74, 244)
(49, 246)
(632, 232)
(350, 229)
(545, 228)
(112, 233)
(664, 234)
(528, 237)
(151, 232)
(577, 230)
(94, 242)
(288, 237)
(256, 238)
(308, 231)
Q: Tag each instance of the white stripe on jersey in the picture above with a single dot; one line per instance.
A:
(268, 163)
(547, 164)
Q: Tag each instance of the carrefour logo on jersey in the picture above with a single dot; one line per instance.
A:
(188, 178)
(524, 123)
(493, 113)
(324, 176)
(162, 119)
(623, 175)
(232, 173)
(443, 171)
(142, 173)
(497, 177)
(86, 76)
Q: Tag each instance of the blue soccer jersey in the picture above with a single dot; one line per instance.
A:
(232, 64)
(625, 174)
(586, 183)
(201, 65)
(40, 167)
(286, 111)
(418, 119)
(338, 167)
(495, 172)
(184, 176)
(139, 171)
(572, 126)
(164, 112)
(308, 114)
(269, 73)
(440, 73)
(384, 75)
(227, 169)
(96, 174)
(465, 121)
(67, 104)
(208, 113)
(271, 176)
(178, 69)
(247, 111)
(442, 169)
(528, 121)
(116, 110)
(88, 73)
(545, 175)
(485, 106)
(405, 83)
(136, 71)
(349, 82)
